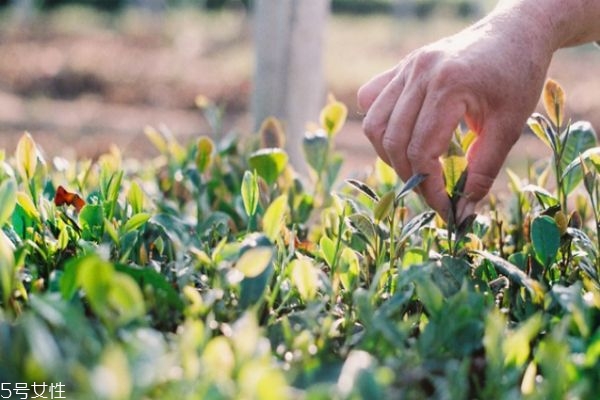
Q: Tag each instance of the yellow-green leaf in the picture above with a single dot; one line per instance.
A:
(273, 217)
(113, 368)
(27, 204)
(269, 163)
(333, 116)
(453, 167)
(8, 199)
(205, 153)
(125, 298)
(327, 249)
(250, 193)
(305, 278)
(136, 221)
(7, 267)
(467, 140)
(135, 197)
(384, 206)
(553, 98)
(26, 156)
(516, 346)
(254, 261)
(385, 174)
(218, 358)
(157, 139)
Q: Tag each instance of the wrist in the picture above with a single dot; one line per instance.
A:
(562, 23)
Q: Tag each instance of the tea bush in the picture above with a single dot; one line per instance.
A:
(213, 271)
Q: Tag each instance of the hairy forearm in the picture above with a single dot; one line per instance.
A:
(564, 23)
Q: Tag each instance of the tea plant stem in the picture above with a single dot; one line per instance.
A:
(593, 198)
(392, 238)
(338, 245)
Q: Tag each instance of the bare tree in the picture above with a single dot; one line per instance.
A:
(288, 76)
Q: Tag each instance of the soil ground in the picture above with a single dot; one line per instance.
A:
(80, 81)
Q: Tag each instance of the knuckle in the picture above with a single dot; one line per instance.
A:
(372, 128)
(425, 59)
(450, 73)
(478, 186)
(390, 143)
(414, 152)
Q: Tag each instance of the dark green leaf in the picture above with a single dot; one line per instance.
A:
(91, 221)
(579, 138)
(415, 224)
(515, 275)
(545, 238)
(410, 184)
(316, 147)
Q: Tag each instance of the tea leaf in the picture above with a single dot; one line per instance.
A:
(514, 182)
(540, 126)
(513, 273)
(415, 224)
(274, 216)
(7, 265)
(517, 344)
(24, 200)
(8, 200)
(271, 134)
(385, 174)
(149, 278)
(327, 250)
(305, 278)
(364, 226)
(364, 188)
(467, 140)
(250, 193)
(410, 184)
(125, 299)
(384, 206)
(349, 268)
(205, 149)
(553, 97)
(316, 147)
(219, 358)
(333, 117)
(27, 157)
(135, 197)
(579, 138)
(254, 261)
(453, 168)
(157, 139)
(136, 221)
(268, 163)
(544, 197)
(91, 220)
(545, 238)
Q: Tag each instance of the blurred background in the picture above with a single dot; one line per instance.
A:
(80, 75)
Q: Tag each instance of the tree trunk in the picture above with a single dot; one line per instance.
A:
(288, 78)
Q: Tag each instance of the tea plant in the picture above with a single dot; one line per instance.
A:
(214, 271)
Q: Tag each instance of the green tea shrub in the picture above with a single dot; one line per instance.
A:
(214, 271)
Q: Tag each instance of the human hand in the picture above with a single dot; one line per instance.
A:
(489, 76)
